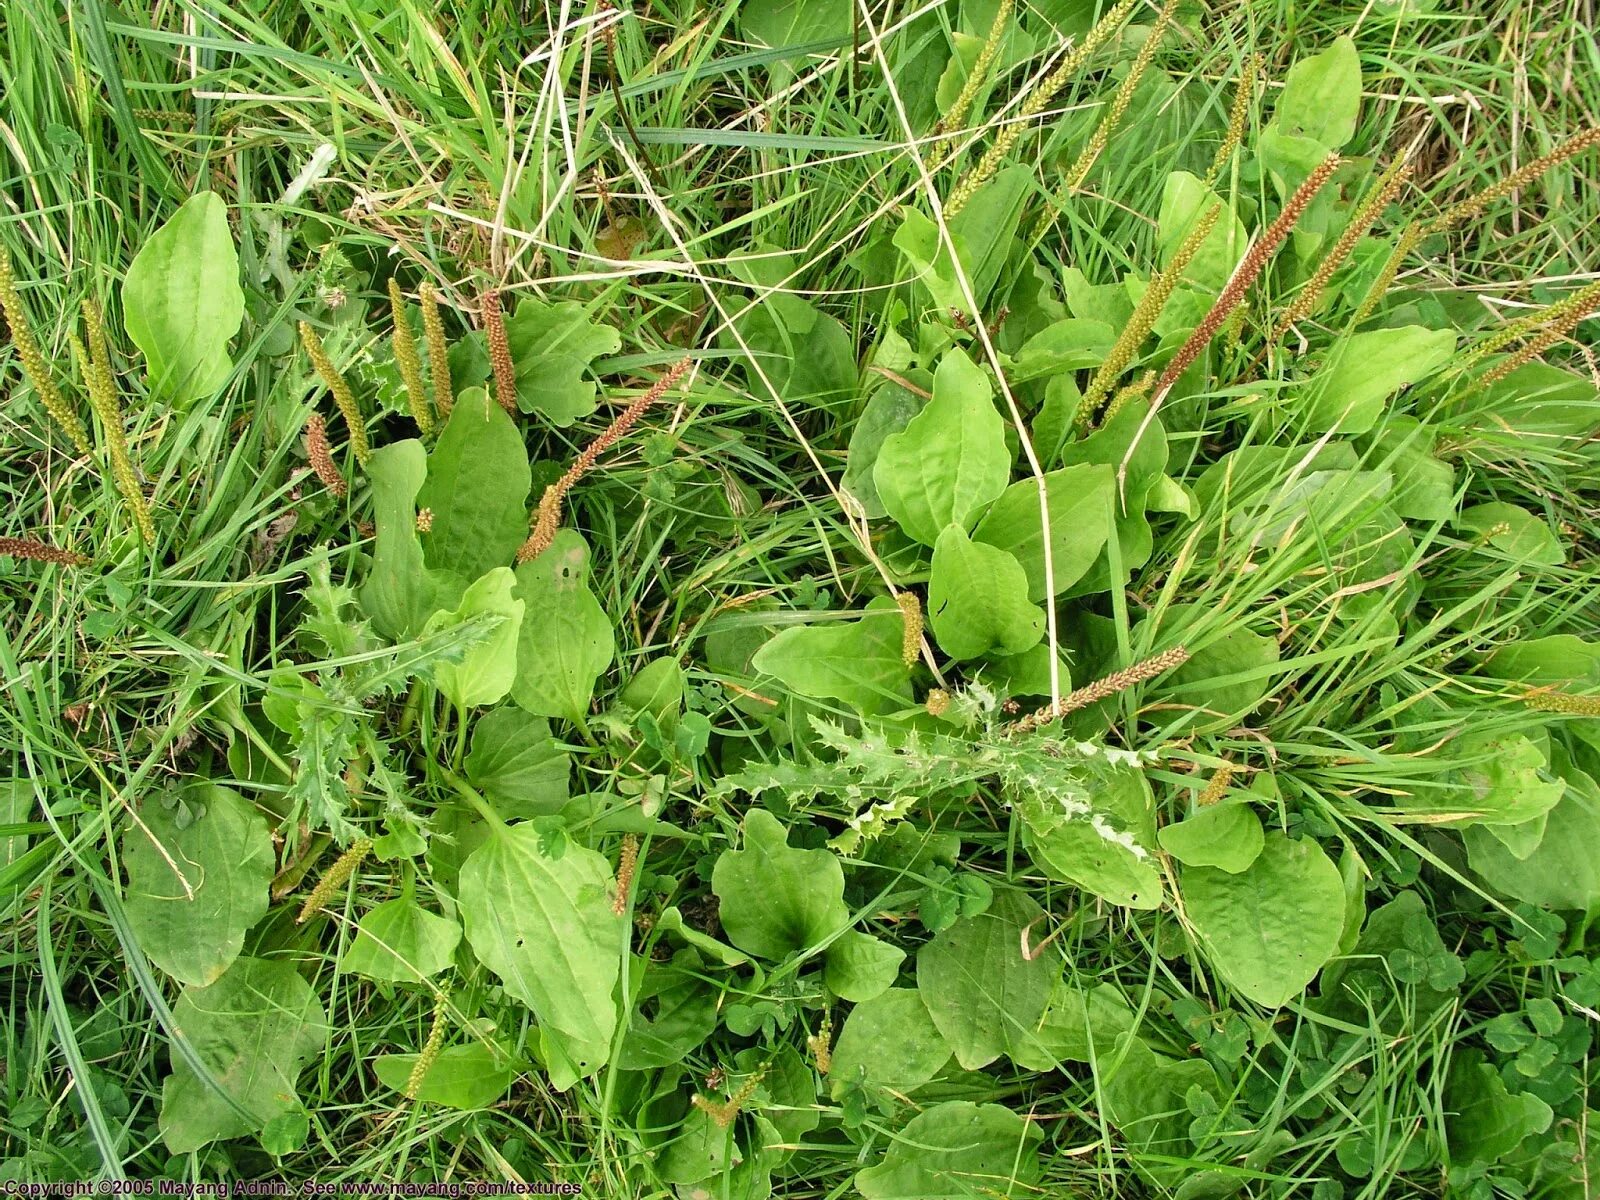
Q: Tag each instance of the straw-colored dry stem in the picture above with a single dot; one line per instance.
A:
(103, 399)
(1044, 91)
(1307, 298)
(979, 74)
(444, 397)
(343, 867)
(407, 359)
(321, 456)
(33, 364)
(505, 370)
(547, 516)
(41, 552)
(1255, 259)
(1244, 90)
(1119, 681)
(337, 385)
(1145, 314)
(1522, 176)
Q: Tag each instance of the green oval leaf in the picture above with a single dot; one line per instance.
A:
(477, 489)
(1269, 929)
(402, 942)
(182, 302)
(1225, 836)
(889, 1041)
(196, 883)
(957, 1150)
(951, 458)
(546, 927)
(552, 346)
(461, 1077)
(488, 668)
(775, 901)
(1080, 499)
(254, 1029)
(982, 994)
(860, 662)
(978, 599)
(566, 645)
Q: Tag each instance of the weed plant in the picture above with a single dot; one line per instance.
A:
(726, 600)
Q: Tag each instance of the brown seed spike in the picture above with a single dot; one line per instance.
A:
(41, 552)
(321, 457)
(547, 517)
(1255, 259)
(1119, 681)
(505, 371)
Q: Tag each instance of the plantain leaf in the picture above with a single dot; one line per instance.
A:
(461, 1077)
(950, 460)
(401, 942)
(552, 346)
(859, 662)
(859, 966)
(182, 302)
(567, 643)
(253, 1029)
(517, 764)
(477, 489)
(488, 668)
(889, 1041)
(1270, 928)
(978, 600)
(546, 928)
(983, 995)
(957, 1149)
(1321, 96)
(196, 883)
(1080, 498)
(774, 900)
(399, 592)
(1225, 836)
(1365, 369)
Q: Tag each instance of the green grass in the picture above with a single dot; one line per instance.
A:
(478, 143)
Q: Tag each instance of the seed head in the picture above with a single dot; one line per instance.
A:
(343, 867)
(405, 356)
(505, 370)
(33, 364)
(1255, 259)
(438, 351)
(911, 642)
(41, 552)
(1119, 681)
(342, 395)
(321, 457)
(547, 516)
